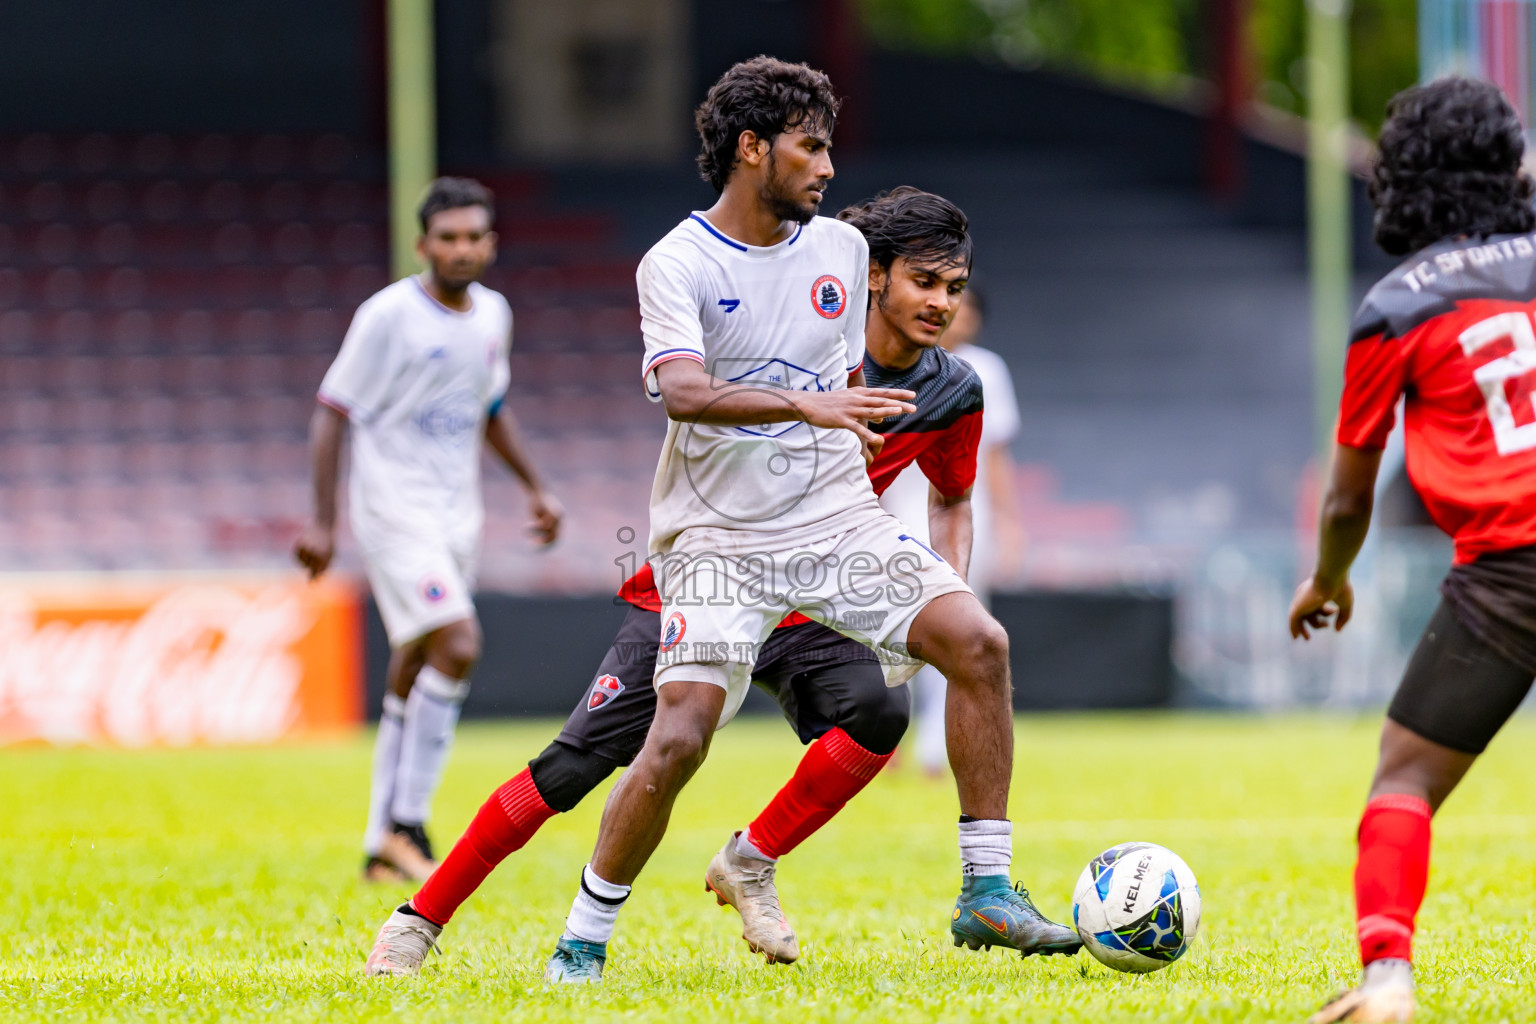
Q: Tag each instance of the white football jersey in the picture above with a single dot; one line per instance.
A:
(787, 316)
(416, 381)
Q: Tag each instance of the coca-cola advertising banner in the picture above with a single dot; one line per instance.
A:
(136, 661)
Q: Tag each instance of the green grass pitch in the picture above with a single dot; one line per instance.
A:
(221, 884)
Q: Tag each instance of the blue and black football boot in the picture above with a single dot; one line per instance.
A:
(990, 913)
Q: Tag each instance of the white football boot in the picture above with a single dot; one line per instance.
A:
(1384, 996)
(402, 946)
(746, 883)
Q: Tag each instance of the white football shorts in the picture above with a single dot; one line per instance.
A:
(420, 586)
(723, 591)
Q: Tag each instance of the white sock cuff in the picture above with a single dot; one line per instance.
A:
(986, 847)
(747, 848)
(394, 706)
(440, 686)
(600, 887)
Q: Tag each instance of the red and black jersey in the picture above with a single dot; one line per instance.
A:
(941, 435)
(1451, 330)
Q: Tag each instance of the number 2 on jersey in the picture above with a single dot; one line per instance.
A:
(1492, 377)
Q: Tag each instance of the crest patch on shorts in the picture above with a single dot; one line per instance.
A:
(604, 690)
(672, 631)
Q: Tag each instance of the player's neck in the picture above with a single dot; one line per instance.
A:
(741, 214)
(886, 346)
(457, 300)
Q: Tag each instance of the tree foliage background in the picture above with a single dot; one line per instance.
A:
(1158, 44)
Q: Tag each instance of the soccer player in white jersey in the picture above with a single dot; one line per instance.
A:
(753, 317)
(420, 379)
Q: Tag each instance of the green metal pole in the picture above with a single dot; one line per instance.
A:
(1328, 217)
(412, 125)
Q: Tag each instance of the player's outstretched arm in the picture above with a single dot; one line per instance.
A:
(502, 434)
(316, 545)
(1346, 517)
(692, 395)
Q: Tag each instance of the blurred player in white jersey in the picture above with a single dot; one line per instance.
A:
(998, 539)
(421, 378)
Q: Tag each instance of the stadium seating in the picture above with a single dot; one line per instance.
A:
(168, 306)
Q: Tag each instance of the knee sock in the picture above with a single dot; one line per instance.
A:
(1390, 875)
(504, 824)
(596, 908)
(386, 762)
(830, 774)
(431, 712)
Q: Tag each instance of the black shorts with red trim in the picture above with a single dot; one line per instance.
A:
(1476, 661)
(820, 678)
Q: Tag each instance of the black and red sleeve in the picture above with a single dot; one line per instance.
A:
(1375, 372)
(949, 462)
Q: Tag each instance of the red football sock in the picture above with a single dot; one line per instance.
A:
(504, 823)
(832, 771)
(1390, 874)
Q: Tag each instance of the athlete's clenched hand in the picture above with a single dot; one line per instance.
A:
(315, 548)
(854, 408)
(546, 513)
(1315, 603)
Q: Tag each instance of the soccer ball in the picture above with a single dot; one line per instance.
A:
(1136, 907)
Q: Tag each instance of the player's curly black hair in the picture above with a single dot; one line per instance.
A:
(452, 194)
(763, 95)
(908, 222)
(1449, 164)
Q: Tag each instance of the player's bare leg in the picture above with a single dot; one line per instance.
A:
(634, 820)
(955, 634)
(1413, 777)
(635, 817)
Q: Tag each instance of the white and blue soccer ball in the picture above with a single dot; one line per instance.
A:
(1136, 907)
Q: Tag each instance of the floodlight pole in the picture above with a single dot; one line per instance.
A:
(412, 124)
(1328, 213)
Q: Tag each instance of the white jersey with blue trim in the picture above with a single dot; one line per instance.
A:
(416, 381)
(788, 316)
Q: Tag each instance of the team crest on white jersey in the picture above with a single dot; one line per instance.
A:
(829, 296)
(604, 690)
(672, 631)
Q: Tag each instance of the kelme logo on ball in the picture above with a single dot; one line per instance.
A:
(672, 631)
(829, 296)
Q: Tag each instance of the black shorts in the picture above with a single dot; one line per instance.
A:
(1477, 658)
(819, 677)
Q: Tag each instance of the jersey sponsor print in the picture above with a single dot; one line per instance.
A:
(1451, 333)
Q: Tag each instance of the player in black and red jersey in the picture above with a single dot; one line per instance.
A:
(1451, 332)
(832, 689)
